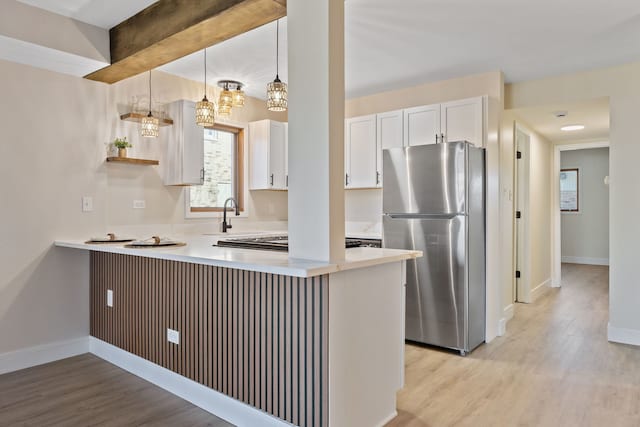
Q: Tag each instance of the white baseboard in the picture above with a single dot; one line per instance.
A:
(388, 419)
(585, 260)
(540, 290)
(624, 335)
(41, 354)
(225, 407)
(507, 314)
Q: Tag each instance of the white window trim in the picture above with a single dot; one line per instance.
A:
(218, 214)
(579, 211)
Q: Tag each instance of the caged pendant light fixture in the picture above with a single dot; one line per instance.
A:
(277, 90)
(205, 110)
(231, 96)
(149, 128)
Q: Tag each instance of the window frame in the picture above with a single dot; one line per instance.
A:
(577, 210)
(240, 176)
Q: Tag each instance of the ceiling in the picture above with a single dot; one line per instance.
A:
(594, 115)
(395, 44)
(101, 13)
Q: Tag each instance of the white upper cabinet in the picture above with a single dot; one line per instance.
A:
(184, 154)
(267, 155)
(361, 153)
(421, 125)
(389, 135)
(286, 155)
(463, 120)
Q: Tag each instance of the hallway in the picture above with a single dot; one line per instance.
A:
(553, 367)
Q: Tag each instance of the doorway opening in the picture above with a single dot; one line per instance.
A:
(581, 211)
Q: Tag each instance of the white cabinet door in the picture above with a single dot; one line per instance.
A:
(389, 135)
(277, 155)
(361, 148)
(184, 153)
(421, 125)
(267, 155)
(463, 121)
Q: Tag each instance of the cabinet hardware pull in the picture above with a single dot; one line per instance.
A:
(346, 179)
(442, 138)
(202, 175)
(272, 180)
(286, 179)
(437, 139)
(377, 178)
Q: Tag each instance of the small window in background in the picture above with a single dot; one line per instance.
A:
(569, 190)
(223, 170)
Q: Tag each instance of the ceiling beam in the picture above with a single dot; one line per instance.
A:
(170, 29)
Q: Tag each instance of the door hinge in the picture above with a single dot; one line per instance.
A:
(517, 274)
(518, 214)
(518, 154)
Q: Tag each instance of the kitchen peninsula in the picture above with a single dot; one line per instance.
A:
(310, 343)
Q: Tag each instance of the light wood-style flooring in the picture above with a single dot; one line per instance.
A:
(87, 391)
(554, 367)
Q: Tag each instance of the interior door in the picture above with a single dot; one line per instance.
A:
(421, 125)
(436, 283)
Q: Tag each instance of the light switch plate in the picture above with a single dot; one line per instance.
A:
(109, 298)
(87, 203)
(173, 336)
(139, 204)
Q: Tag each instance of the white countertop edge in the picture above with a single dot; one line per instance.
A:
(285, 266)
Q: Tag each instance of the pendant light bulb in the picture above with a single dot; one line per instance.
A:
(205, 110)
(277, 89)
(150, 124)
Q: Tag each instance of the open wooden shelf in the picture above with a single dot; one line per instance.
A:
(133, 161)
(137, 117)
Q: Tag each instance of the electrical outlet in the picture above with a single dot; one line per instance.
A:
(87, 204)
(139, 204)
(109, 298)
(173, 336)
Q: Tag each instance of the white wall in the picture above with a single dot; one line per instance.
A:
(56, 129)
(585, 235)
(622, 85)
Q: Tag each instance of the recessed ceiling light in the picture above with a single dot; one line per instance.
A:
(571, 128)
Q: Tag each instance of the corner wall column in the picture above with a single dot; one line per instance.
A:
(316, 129)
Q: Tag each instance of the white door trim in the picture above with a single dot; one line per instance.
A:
(556, 252)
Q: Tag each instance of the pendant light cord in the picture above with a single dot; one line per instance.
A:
(277, 48)
(149, 92)
(205, 73)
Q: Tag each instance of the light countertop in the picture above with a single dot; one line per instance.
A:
(200, 250)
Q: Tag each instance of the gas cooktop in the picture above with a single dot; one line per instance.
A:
(272, 243)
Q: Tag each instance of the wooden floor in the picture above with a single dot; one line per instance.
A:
(554, 367)
(87, 391)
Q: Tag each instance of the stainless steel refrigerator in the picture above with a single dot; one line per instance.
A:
(434, 201)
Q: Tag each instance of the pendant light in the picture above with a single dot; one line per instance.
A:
(205, 111)
(225, 102)
(150, 124)
(277, 90)
(238, 97)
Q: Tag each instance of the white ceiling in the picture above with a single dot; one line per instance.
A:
(401, 43)
(101, 13)
(593, 114)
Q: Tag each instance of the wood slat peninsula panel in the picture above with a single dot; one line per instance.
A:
(259, 338)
